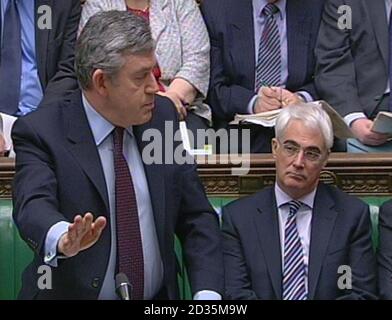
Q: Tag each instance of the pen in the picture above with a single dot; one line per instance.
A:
(264, 84)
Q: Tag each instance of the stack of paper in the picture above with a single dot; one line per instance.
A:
(383, 122)
(268, 119)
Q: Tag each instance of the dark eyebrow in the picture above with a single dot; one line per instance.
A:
(291, 142)
(144, 70)
(310, 148)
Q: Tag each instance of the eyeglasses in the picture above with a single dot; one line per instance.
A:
(291, 150)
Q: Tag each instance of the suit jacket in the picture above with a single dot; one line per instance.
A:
(233, 62)
(384, 253)
(182, 43)
(352, 65)
(59, 174)
(55, 48)
(340, 235)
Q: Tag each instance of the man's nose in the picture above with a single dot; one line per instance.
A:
(152, 85)
(299, 159)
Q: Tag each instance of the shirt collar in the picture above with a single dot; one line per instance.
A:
(100, 127)
(283, 198)
(258, 5)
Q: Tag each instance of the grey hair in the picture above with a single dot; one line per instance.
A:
(105, 40)
(310, 114)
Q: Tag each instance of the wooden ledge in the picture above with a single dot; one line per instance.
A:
(359, 174)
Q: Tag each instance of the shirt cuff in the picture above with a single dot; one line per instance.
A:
(207, 295)
(351, 117)
(251, 105)
(305, 95)
(52, 239)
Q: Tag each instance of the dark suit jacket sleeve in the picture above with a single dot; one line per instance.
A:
(384, 253)
(310, 88)
(35, 205)
(361, 260)
(198, 230)
(335, 73)
(64, 81)
(237, 282)
(225, 98)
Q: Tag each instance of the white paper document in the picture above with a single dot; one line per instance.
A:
(268, 119)
(383, 122)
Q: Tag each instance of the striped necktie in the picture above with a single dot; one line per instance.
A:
(129, 241)
(294, 275)
(269, 63)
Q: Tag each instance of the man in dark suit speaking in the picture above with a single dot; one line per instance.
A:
(299, 239)
(85, 199)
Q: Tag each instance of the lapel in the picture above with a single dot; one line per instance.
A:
(378, 16)
(241, 39)
(323, 221)
(41, 41)
(298, 28)
(155, 175)
(267, 225)
(81, 144)
(158, 20)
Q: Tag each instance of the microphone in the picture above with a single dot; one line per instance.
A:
(123, 287)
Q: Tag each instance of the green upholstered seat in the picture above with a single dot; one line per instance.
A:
(15, 254)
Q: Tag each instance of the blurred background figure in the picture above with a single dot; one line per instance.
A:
(262, 54)
(37, 53)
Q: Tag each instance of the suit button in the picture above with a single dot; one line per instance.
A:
(95, 283)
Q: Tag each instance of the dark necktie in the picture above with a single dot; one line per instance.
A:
(294, 275)
(11, 60)
(268, 67)
(129, 242)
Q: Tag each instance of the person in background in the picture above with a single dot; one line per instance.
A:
(262, 58)
(37, 54)
(353, 67)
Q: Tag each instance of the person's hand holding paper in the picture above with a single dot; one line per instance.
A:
(365, 131)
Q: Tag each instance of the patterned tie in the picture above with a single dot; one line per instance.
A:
(129, 242)
(11, 60)
(294, 276)
(268, 67)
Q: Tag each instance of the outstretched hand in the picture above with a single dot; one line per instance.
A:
(81, 235)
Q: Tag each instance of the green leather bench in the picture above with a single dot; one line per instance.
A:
(15, 254)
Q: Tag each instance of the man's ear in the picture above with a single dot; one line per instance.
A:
(274, 144)
(100, 81)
